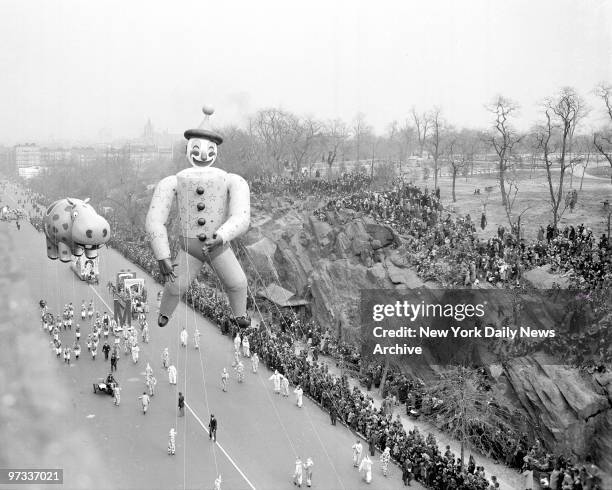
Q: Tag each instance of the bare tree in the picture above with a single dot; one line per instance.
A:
(602, 140)
(503, 138)
(273, 128)
(457, 155)
(302, 138)
(334, 135)
(421, 124)
(554, 138)
(468, 413)
(359, 129)
(435, 139)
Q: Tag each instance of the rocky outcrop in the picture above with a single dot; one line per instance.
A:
(574, 410)
(330, 262)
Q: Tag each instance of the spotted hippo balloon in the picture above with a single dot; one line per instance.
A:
(72, 227)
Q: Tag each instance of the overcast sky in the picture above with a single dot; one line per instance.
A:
(71, 68)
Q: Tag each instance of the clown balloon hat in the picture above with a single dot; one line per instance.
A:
(204, 131)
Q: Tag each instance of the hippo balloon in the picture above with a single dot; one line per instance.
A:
(72, 227)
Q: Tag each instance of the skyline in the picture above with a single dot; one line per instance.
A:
(72, 70)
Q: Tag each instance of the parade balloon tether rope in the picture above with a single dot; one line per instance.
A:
(306, 408)
(214, 449)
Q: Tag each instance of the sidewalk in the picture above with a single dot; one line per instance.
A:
(509, 479)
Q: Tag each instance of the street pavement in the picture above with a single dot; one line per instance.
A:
(260, 433)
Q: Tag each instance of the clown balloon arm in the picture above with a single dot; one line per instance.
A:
(239, 212)
(166, 268)
(159, 210)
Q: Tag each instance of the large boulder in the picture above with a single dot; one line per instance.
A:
(342, 247)
(382, 233)
(405, 277)
(293, 264)
(261, 253)
(573, 409)
(336, 290)
(322, 231)
(360, 240)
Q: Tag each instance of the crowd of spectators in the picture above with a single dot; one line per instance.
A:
(445, 247)
(301, 187)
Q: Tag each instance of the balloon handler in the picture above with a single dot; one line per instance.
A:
(214, 208)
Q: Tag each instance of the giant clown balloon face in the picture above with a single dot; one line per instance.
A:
(201, 152)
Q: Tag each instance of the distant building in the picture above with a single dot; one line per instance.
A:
(51, 157)
(6, 163)
(26, 155)
(85, 154)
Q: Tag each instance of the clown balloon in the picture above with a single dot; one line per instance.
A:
(214, 208)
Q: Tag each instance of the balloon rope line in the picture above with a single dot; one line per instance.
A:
(307, 411)
(214, 450)
(266, 388)
(185, 388)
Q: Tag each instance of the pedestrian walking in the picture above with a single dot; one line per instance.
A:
(196, 338)
(308, 470)
(117, 394)
(151, 383)
(135, 353)
(172, 442)
(172, 375)
(366, 469)
(106, 350)
(385, 457)
(145, 402)
(181, 404)
(276, 378)
(224, 379)
(165, 357)
(255, 362)
(114, 358)
(212, 428)
(284, 386)
(357, 450)
(184, 337)
(299, 393)
(298, 472)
